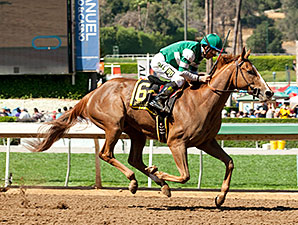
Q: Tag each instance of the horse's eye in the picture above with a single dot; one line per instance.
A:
(251, 72)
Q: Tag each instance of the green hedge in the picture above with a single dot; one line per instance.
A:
(272, 63)
(126, 68)
(60, 86)
(43, 86)
(262, 63)
(259, 120)
(8, 119)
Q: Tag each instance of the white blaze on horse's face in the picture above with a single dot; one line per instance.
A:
(265, 92)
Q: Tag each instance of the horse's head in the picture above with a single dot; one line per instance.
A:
(247, 77)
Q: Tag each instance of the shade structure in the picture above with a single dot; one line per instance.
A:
(291, 89)
(279, 94)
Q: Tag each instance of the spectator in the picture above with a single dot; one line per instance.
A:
(65, 109)
(240, 114)
(3, 112)
(261, 110)
(54, 115)
(276, 113)
(36, 114)
(59, 113)
(224, 113)
(295, 109)
(233, 114)
(46, 117)
(18, 112)
(24, 115)
(270, 111)
(251, 114)
(285, 111)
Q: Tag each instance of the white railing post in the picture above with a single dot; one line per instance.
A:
(201, 169)
(68, 163)
(7, 163)
(150, 160)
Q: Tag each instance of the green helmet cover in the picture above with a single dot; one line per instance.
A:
(214, 41)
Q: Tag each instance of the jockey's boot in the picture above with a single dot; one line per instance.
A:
(163, 95)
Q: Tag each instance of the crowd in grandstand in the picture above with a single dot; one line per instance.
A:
(38, 116)
(265, 111)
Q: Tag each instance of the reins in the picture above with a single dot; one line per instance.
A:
(255, 91)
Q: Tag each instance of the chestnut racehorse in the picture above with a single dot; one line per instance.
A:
(195, 121)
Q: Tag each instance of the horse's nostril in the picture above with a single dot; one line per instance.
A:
(269, 94)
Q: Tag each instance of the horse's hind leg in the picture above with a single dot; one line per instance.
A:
(135, 159)
(214, 149)
(112, 134)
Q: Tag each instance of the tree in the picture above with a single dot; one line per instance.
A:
(236, 27)
(128, 41)
(107, 40)
(290, 22)
(265, 39)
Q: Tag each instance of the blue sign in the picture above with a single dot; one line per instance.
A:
(86, 35)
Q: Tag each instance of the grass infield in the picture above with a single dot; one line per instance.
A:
(270, 172)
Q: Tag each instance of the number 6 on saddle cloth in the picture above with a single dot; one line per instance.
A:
(143, 93)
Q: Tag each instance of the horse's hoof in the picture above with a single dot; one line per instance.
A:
(133, 186)
(166, 190)
(219, 201)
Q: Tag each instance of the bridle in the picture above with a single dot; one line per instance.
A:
(254, 91)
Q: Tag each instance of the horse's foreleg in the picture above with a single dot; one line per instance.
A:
(135, 159)
(214, 149)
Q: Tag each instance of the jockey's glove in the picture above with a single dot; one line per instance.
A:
(204, 79)
(195, 77)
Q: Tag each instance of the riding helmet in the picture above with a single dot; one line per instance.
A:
(213, 40)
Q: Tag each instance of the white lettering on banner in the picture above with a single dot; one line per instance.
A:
(87, 26)
(89, 15)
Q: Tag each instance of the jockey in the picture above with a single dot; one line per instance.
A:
(179, 62)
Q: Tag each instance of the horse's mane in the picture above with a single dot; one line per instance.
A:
(225, 59)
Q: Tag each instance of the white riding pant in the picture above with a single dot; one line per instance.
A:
(165, 70)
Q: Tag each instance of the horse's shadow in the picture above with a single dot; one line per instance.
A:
(224, 208)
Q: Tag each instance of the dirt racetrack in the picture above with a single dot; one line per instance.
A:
(48, 206)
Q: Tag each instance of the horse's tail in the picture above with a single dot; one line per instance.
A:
(60, 126)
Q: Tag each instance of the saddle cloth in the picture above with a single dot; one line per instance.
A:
(142, 94)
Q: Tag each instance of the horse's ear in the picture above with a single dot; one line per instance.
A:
(242, 56)
(247, 54)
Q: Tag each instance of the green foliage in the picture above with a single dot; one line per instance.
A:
(252, 21)
(43, 86)
(271, 63)
(126, 68)
(289, 23)
(127, 40)
(60, 86)
(8, 119)
(251, 171)
(262, 63)
(147, 43)
(265, 39)
(132, 41)
(107, 39)
(259, 120)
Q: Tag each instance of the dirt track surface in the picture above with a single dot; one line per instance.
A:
(46, 206)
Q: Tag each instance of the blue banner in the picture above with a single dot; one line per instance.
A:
(86, 35)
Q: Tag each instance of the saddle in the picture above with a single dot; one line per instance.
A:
(144, 91)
